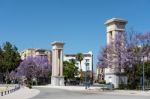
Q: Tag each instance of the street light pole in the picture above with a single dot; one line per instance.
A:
(92, 71)
(143, 75)
(85, 76)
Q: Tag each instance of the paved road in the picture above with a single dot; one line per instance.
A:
(50, 93)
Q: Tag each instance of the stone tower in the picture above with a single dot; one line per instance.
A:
(57, 78)
(113, 27)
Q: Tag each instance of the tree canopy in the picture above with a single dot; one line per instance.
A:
(70, 70)
(128, 53)
(79, 57)
(9, 57)
(32, 67)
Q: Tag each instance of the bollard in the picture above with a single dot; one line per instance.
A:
(9, 91)
(1, 93)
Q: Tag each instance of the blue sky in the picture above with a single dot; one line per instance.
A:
(78, 23)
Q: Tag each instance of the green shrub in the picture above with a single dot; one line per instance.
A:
(102, 82)
(123, 86)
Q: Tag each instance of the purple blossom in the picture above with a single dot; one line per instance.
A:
(124, 52)
(33, 67)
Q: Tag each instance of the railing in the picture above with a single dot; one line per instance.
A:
(108, 86)
(6, 92)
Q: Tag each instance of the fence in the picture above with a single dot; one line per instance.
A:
(6, 92)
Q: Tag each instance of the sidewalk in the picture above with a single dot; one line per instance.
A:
(70, 88)
(23, 93)
(130, 92)
(98, 90)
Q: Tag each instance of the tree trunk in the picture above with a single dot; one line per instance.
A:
(81, 75)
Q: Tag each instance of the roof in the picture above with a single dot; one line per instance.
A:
(57, 42)
(73, 55)
(40, 50)
(115, 20)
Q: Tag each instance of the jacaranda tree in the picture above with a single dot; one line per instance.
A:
(33, 67)
(126, 52)
(114, 53)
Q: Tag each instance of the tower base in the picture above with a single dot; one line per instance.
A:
(57, 80)
(116, 79)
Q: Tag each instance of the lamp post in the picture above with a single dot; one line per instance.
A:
(85, 75)
(143, 75)
(92, 71)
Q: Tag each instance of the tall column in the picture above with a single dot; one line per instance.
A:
(113, 27)
(61, 63)
(57, 78)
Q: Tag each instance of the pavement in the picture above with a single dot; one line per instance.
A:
(59, 93)
(99, 90)
(26, 93)
(23, 93)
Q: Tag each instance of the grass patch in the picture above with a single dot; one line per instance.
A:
(4, 88)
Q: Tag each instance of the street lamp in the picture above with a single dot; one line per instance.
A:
(143, 75)
(86, 75)
(92, 71)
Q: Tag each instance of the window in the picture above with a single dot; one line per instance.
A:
(110, 35)
(59, 54)
(87, 60)
(87, 66)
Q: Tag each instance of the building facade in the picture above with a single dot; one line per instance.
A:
(86, 63)
(36, 52)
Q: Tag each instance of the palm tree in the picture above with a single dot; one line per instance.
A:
(79, 57)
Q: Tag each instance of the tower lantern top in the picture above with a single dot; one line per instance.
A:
(115, 25)
(115, 20)
(57, 43)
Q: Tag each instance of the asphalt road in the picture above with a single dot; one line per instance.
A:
(49, 93)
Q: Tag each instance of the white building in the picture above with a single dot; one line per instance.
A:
(86, 63)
